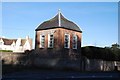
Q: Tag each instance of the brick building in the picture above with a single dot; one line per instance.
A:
(59, 37)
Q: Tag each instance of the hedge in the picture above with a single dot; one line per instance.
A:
(6, 51)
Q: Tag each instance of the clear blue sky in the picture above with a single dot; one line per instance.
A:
(97, 20)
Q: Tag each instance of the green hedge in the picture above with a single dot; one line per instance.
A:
(93, 52)
(6, 51)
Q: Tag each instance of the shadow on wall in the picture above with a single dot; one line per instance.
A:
(12, 62)
(35, 60)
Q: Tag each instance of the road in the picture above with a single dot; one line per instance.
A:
(46, 75)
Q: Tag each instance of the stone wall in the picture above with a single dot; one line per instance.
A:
(26, 59)
(32, 59)
(99, 65)
(11, 57)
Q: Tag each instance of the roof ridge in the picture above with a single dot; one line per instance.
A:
(59, 18)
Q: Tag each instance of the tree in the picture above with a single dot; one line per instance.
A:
(116, 51)
(107, 53)
(115, 46)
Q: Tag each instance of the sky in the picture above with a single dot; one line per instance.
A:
(60, 0)
(97, 20)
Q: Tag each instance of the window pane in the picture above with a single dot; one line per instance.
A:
(50, 40)
(74, 41)
(67, 41)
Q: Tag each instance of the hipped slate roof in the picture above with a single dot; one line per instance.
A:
(10, 41)
(58, 22)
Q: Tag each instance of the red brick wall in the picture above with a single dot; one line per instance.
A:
(58, 50)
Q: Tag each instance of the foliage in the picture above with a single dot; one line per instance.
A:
(115, 45)
(6, 51)
(116, 50)
(107, 53)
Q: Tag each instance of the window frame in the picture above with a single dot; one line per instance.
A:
(41, 41)
(1, 43)
(74, 43)
(49, 40)
(67, 42)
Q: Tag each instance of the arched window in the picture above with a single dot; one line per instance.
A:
(67, 41)
(50, 40)
(74, 45)
(42, 41)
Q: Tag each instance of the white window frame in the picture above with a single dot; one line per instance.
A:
(68, 41)
(49, 40)
(74, 42)
(42, 46)
(1, 43)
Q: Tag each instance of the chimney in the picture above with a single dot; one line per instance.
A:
(27, 37)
